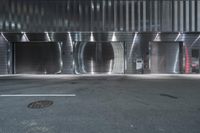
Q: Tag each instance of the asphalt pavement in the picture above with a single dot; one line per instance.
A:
(100, 104)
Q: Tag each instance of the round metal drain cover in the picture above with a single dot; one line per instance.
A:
(40, 104)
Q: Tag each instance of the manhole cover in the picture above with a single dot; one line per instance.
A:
(40, 104)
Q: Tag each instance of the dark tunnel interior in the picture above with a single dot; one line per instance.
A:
(36, 57)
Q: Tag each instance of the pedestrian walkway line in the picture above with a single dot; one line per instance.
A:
(37, 95)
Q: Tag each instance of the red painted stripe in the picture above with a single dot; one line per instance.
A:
(187, 61)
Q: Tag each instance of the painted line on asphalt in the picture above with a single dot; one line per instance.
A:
(38, 95)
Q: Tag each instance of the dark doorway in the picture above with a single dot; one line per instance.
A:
(166, 57)
(37, 58)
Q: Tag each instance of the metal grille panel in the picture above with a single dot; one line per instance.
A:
(99, 15)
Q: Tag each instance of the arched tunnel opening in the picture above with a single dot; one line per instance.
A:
(99, 57)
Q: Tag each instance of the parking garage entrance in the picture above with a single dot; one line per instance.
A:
(36, 58)
(166, 57)
(99, 57)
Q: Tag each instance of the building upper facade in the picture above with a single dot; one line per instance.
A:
(100, 15)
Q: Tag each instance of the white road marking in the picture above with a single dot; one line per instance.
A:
(37, 95)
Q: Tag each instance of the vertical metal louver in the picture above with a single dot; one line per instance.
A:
(100, 15)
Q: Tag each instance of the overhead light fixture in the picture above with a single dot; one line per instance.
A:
(24, 37)
(110, 3)
(114, 39)
(157, 38)
(92, 37)
(177, 37)
(47, 36)
(98, 6)
(4, 36)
